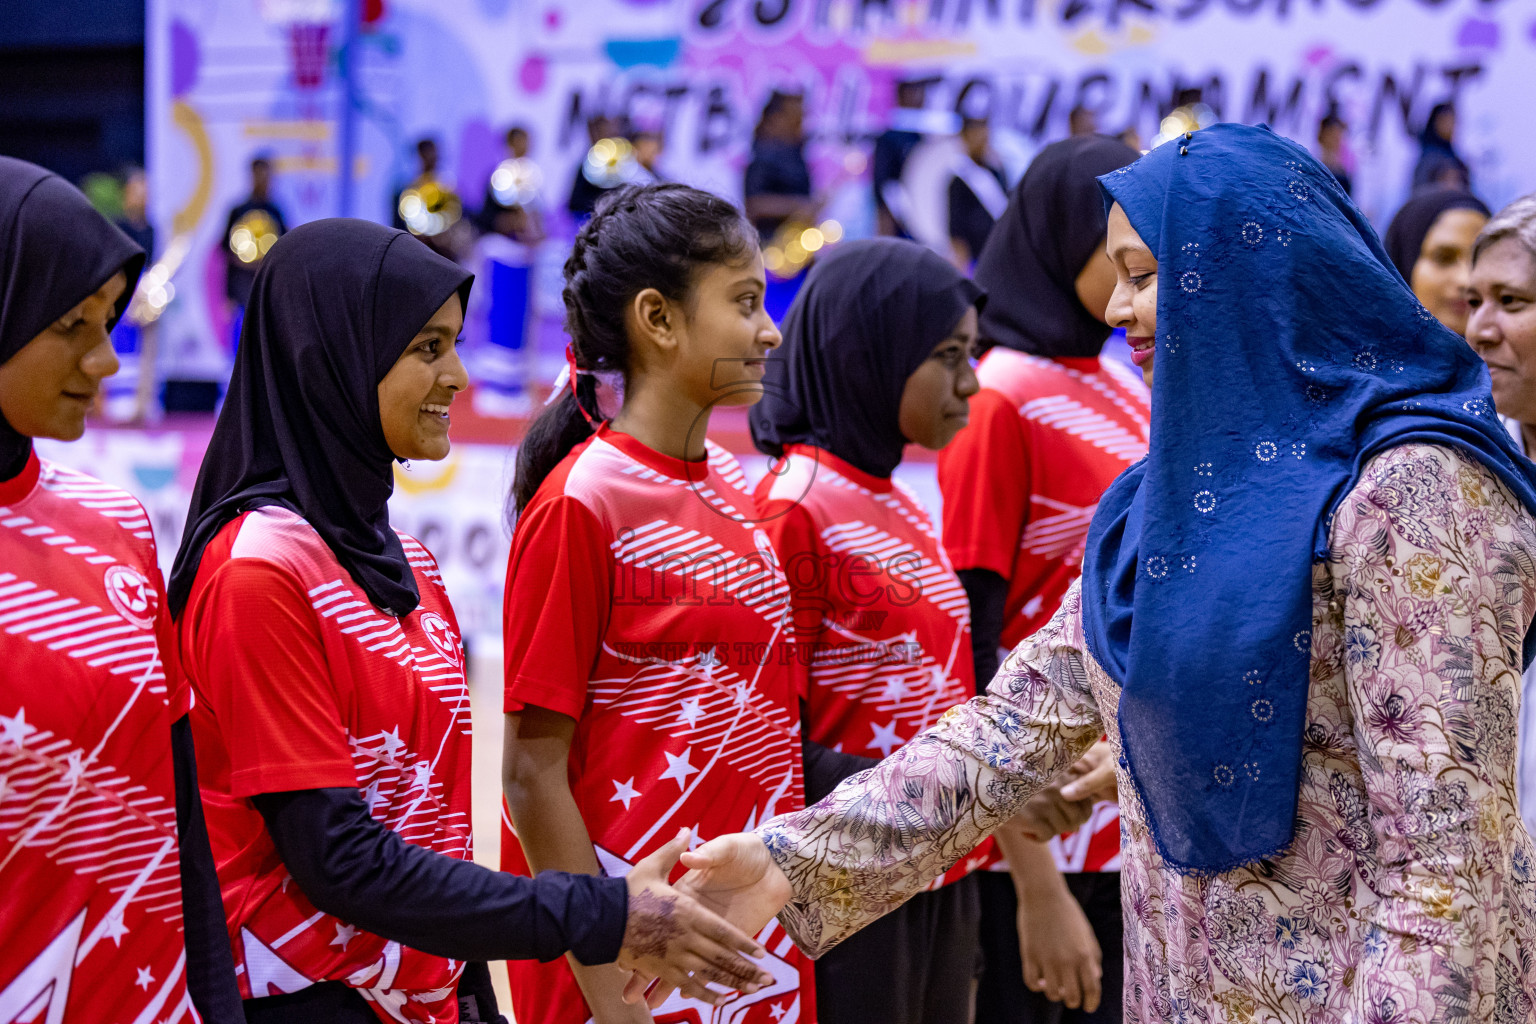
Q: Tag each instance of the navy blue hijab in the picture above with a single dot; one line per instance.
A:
(1289, 353)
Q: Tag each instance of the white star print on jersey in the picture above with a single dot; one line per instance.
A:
(393, 721)
(88, 855)
(644, 602)
(882, 621)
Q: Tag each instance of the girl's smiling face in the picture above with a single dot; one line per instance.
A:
(1133, 303)
(415, 395)
(47, 387)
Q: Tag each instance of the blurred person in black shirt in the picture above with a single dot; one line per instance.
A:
(252, 227)
(778, 180)
(584, 192)
(135, 219)
(978, 193)
(893, 147)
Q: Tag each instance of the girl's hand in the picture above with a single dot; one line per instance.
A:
(603, 989)
(733, 876)
(672, 936)
(1093, 777)
(1061, 956)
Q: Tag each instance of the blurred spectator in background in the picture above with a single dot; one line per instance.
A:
(1131, 137)
(1430, 242)
(1440, 166)
(430, 209)
(585, 191)
(253, 226)
(892, 148)
(426, 158)
(1082, 121)
(134, 221)
(128, 396)
(978, 193)
(649, 146)
(1331, 131)
(1502, 328)
(777, 187)
(513, 206)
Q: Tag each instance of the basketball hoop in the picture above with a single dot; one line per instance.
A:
(308, 26)
(308, 51)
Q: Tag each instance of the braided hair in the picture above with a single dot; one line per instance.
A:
(651, 236)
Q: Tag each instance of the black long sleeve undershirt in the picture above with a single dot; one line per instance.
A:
(352, 867)
(824, 767)
(989, 595)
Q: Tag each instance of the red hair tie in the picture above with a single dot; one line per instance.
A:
(571, 369)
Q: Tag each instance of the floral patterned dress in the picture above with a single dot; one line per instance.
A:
(1408, 895)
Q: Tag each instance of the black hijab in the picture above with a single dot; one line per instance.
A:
(332, 308)
(1406, 233)
(55, 251)
(1054, 221)
(866, 318)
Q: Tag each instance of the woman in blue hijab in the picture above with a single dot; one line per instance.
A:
(1302, 621)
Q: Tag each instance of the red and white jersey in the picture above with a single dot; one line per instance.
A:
(1021, 484)
(303, 684)
(644, 601)
(90, 889)
(882, 623)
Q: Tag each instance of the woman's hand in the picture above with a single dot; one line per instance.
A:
(673, 937)
(1061, 956)
(732, 876)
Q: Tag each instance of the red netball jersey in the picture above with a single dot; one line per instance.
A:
(90, 890)
(882, 623)
(1021, 484)
(303, 684)
(645, 602)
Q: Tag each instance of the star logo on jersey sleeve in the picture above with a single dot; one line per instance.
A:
(624, 791)
(885, 739)
(678, 767)
(344, 935)
(15, 730)
(145, 979)
(114, 928)
(691, 712)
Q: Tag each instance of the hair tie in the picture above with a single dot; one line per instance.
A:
(572, 371)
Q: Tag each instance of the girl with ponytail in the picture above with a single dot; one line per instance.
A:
(650, 682)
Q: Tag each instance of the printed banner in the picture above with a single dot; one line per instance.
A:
(233, 78)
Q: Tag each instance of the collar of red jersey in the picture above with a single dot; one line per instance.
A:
(20, 485)
(878, 484)
(666, 465)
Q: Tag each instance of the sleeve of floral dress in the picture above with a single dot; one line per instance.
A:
(1431, 565)
(885, 833)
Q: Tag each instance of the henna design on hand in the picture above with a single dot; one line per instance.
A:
(735, 968)
(652, 925)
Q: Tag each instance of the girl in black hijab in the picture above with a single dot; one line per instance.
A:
(1430, 242)
(332, 707)
(1051, 427)
(876, 356)
(87, 681)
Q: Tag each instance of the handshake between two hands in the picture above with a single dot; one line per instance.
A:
(697, 932)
